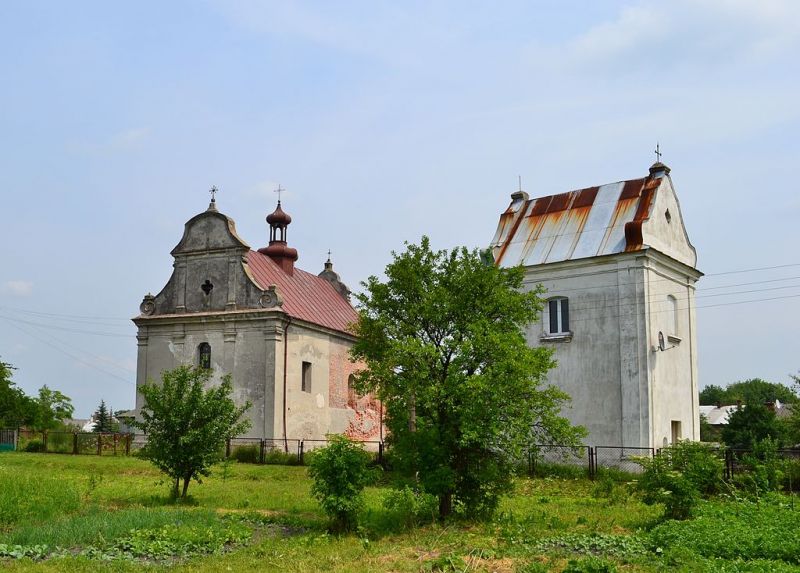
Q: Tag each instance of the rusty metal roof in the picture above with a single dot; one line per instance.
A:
(583, 223)
(305, 296)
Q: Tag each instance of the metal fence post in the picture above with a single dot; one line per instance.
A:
(228, 448)
(75, 443)
(301, 453)
(592, 462)
(44, 440)
(380, 453)
(262, 451)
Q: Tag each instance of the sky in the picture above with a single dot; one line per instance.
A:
(384, 121)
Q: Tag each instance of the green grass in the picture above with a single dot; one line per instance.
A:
(262, 518)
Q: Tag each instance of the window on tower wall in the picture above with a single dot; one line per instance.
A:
(556, 320)
(204, 355)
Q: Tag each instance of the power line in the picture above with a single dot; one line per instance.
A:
(66, 329)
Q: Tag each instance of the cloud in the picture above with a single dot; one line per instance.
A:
(18, 288)
(129, 137)
(125, 140)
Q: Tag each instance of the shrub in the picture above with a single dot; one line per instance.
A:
(411, 507)
(35, 445)
(247, 454)
(766, 467)
(280, 458)
(660, 483)
(340, 472)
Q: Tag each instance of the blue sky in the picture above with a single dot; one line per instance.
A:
(384, 121)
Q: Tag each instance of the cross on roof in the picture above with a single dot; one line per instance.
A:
(213, 192)
(329, 254)
(658, 153)
(279, 190)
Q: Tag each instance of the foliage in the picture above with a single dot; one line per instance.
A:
(280, 457)
(410, 507)
(752, 391)
(51, 408)
(34, 446)
(766, 468)
(444, 346)
(103, 422)
(340, 471)
(248, 454)
(16, 409)
(736, 530)
(679, 476)
(187, 425)
(594, 544)
(708, 432)
(751, 424)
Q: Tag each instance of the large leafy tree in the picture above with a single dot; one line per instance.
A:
(187, 422)
(443, 342)
(16, 409)
(51, 409)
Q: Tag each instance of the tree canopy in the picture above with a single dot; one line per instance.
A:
(187, 425)
(443, 342)
(752, 391)
(46, 411)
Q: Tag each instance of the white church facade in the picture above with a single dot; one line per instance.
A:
(619, 274)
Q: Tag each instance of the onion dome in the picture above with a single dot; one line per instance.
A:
(279, 218)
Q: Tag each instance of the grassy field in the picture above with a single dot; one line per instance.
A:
(85, 513)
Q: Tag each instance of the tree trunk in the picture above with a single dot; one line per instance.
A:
(445, 505)
(185, 485)
(175, 488)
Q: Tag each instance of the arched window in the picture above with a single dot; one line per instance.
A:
(204, 355)
(672, 312)
(558, 315)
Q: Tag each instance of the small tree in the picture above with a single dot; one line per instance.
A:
(187, 425)
(103, 422)
(444, 344)
(340, 471)
(51, 408)
(751, 424)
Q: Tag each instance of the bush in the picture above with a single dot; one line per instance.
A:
(36, 445)
(280, 458)
(767, 468)
(340, 472)
(247, 454)
(411, 507)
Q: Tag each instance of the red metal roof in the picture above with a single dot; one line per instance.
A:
(305, 296)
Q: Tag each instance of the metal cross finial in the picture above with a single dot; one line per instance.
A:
(279, 190)
(520, 182)
(658, 153)
(213, 192)
(329, 254)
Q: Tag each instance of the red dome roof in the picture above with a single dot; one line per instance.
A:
(279, 217)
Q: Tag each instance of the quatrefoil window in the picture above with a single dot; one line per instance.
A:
(206, 287)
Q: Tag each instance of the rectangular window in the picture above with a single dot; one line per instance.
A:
(558, 310)
(306, 380)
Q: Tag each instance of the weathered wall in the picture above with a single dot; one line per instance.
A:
(623, 391)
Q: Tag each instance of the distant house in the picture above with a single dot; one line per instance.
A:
(718, 415)
(620, 274)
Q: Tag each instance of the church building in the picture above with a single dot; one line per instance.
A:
(282, 333)
(619, 277)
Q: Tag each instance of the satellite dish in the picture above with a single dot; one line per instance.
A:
(661, 345)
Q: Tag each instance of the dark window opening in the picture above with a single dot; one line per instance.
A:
(204, 355)
(306, 380)
(558, 309)
(206, 287)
